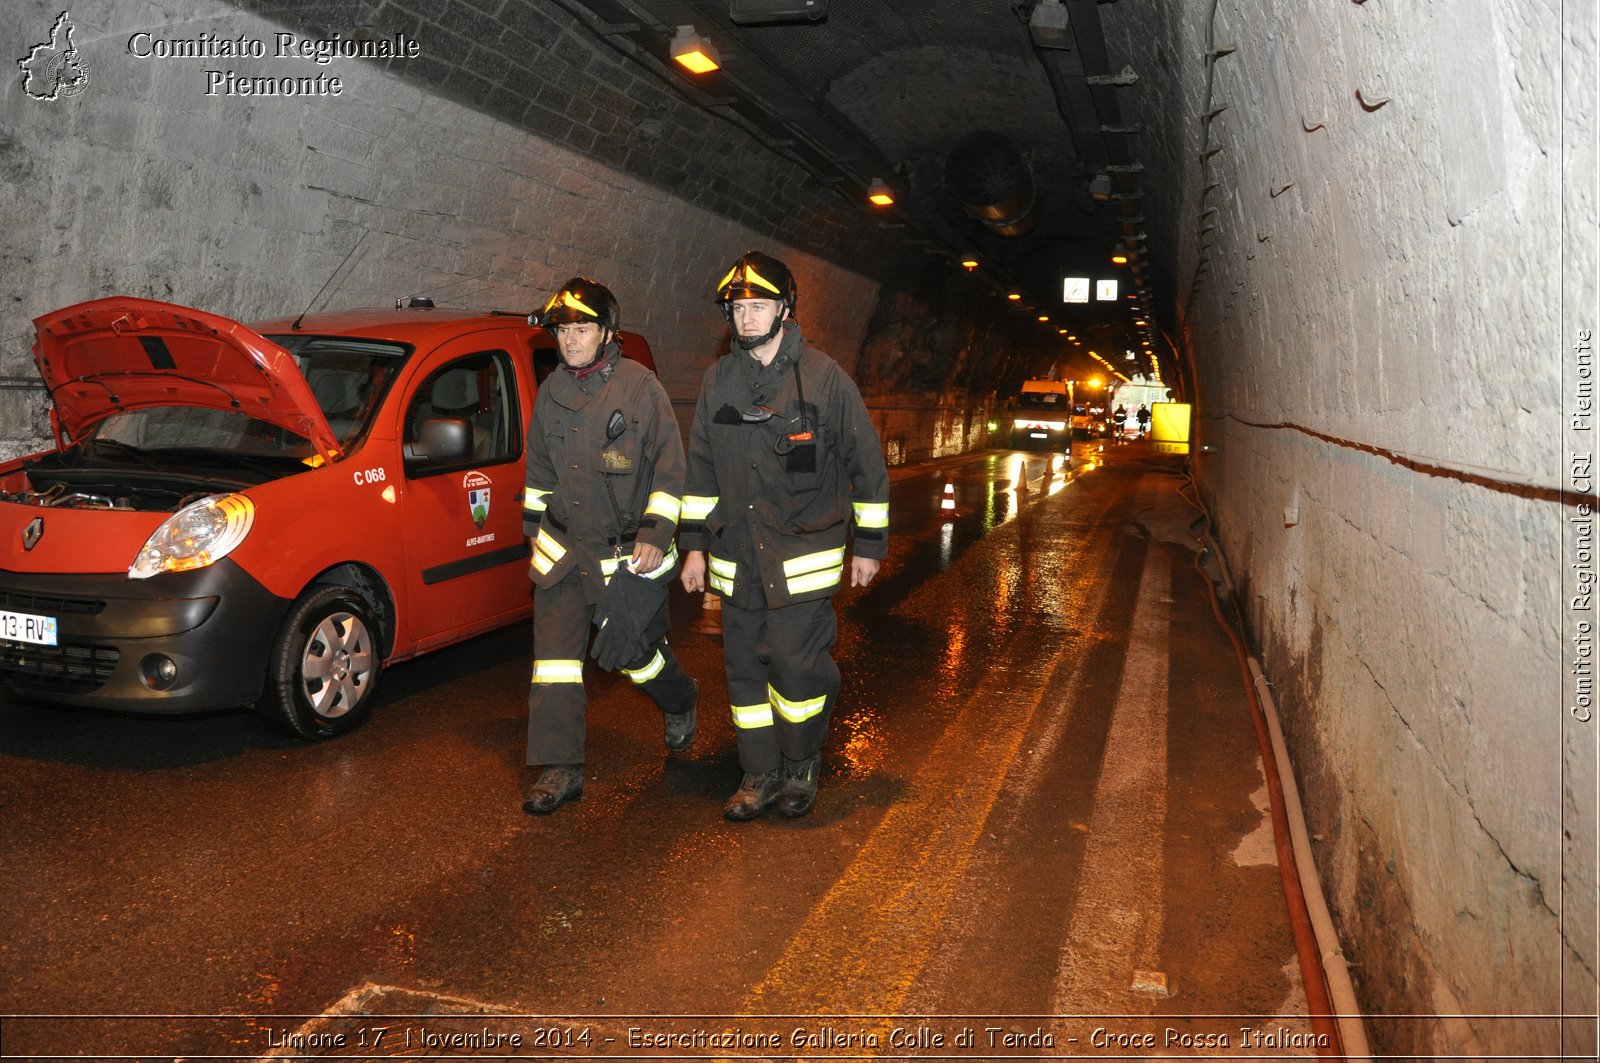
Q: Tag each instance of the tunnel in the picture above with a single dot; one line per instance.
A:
(1357, 240)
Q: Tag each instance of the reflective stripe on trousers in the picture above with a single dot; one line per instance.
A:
(557, 704)
(782, 680)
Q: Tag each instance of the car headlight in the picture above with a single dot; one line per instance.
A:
(195, 536)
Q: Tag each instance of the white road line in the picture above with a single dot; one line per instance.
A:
(1116, 922)
(865, 943)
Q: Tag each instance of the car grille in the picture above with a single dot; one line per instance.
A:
(49, 604)
(56, 669)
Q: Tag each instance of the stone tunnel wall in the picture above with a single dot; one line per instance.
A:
(1376, 326)
(513, 152)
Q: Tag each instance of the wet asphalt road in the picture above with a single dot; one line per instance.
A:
(1041, 801)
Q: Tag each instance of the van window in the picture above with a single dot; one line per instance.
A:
(479, 390)
(1042, 400)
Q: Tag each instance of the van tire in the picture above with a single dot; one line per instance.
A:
(324, 667)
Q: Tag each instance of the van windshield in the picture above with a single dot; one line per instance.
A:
(1042, 400)
(347, 376)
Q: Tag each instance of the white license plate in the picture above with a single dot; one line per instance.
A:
(1038, 435)
(28, 627)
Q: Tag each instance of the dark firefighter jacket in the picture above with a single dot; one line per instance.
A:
(770, 507)
(568, 512)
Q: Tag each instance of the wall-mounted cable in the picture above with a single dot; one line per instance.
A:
(1499, 480)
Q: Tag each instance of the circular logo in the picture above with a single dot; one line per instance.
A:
(67, 74)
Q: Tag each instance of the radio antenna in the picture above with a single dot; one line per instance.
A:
(444, 287)
(296, 326)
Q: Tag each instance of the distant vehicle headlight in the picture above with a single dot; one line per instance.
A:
(195, 536)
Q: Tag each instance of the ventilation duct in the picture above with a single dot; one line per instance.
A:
(994, 184)
(754, 12)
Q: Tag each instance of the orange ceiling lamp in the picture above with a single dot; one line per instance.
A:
(693, 52)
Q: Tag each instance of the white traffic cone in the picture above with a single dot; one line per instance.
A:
(949, 503)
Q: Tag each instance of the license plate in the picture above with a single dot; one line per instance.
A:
(1038, 435)
(28, 627)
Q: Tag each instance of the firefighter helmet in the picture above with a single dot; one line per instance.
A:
(757, 276)
(580, 299)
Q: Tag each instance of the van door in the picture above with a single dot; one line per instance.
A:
(467, 556)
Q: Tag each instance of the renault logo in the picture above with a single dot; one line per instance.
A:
(33, 533)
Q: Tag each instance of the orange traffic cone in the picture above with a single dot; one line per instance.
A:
(949, 502)
(709, 622)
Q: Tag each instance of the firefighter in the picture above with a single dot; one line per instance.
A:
(784, 464)
(604, 491)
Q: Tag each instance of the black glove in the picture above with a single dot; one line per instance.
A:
(632, 618)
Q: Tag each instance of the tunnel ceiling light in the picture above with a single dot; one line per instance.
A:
(878, 193)
(693, 52)
(1119, 258)
(1015, 297)
(970, 262)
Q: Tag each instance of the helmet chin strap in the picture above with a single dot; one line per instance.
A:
(750, 343)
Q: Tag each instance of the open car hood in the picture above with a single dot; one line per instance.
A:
(124, 353)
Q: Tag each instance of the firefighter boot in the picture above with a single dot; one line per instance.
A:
(799, 785)
(754, 796)
(558, 784)
(681, 725)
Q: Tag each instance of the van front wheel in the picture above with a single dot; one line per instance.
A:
(324, 667)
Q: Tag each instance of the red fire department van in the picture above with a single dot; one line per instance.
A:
(264, 515)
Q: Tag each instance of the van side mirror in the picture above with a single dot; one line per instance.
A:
(440, 441)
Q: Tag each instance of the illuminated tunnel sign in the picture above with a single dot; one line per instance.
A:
(1169, 427)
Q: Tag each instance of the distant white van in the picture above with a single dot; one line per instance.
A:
(1042, 413)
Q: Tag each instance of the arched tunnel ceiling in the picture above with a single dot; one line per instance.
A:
(889, 88)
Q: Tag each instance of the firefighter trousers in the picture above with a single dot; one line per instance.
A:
(782, 681)
(562, 619)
